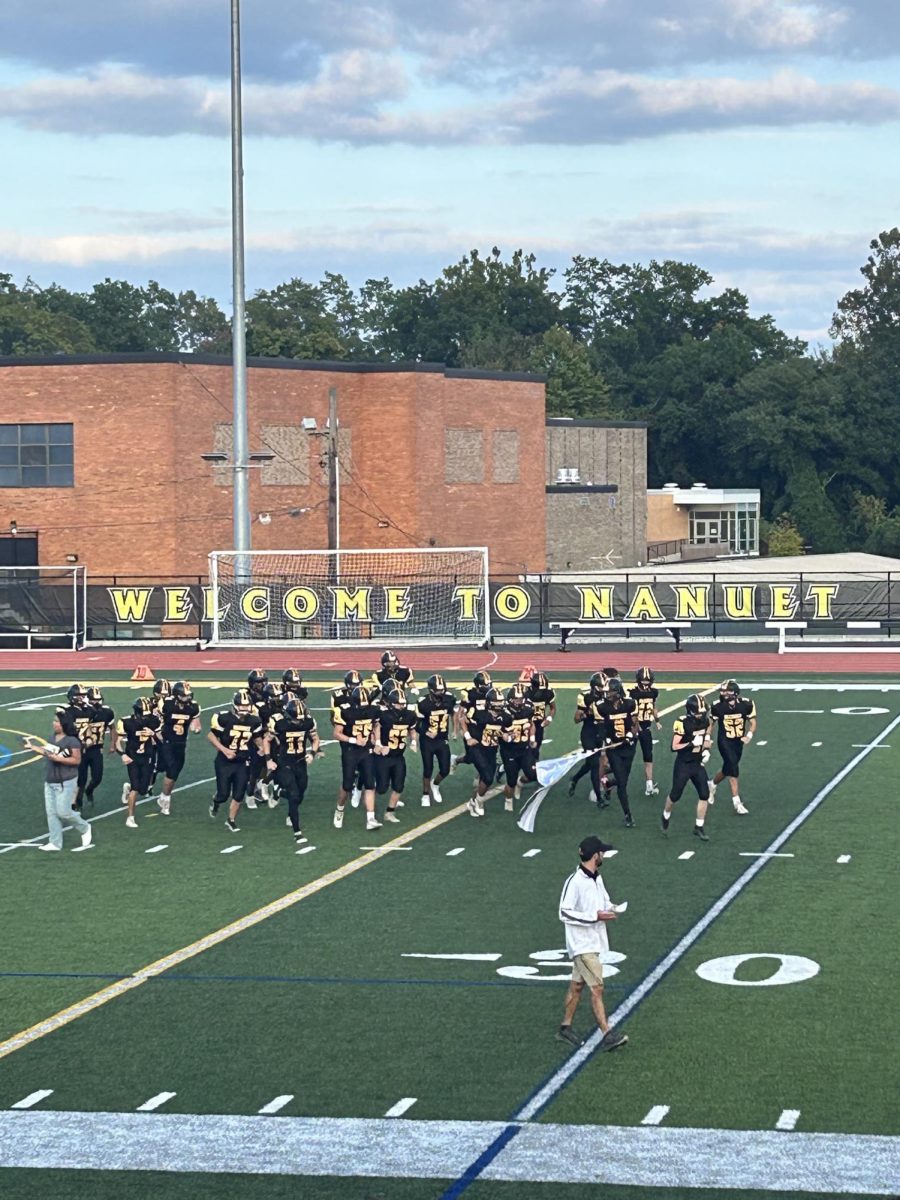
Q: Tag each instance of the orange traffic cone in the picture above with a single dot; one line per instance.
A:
(143, 672)
(526, 673)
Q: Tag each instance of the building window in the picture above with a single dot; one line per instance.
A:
(36, 456)
(463, 456)
(737, 525)
(505, 454)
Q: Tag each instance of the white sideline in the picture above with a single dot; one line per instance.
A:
(637, 1156)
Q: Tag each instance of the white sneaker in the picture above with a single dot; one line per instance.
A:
(265, 792)
(592, 796)
(517, 792)
(126, 788)
(372, 822)
(130, 823)
(49, 846)
(165, 805)
(250, 802)
(436, 793)
(392, 817)
(650, 789)
(87, 837)
(453, 758)
(271, 799)
(470, 805)
(426, 802)
(399, 804)
(355, 797)
(712, 792)
(739, 808)
(299, 839)
(475, 807)
(338, 818)
(287, 821)
(508, 805)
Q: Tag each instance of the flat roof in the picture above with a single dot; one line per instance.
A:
(708, 495)
(579, 423)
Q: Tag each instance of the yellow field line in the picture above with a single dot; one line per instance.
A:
(90, 1003)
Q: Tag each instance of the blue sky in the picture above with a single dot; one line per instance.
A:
(756, 138)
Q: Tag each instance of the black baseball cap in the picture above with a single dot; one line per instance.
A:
(591, 846)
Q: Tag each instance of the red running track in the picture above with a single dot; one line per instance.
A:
(505, 660)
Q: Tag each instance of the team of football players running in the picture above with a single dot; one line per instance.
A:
(268, 738)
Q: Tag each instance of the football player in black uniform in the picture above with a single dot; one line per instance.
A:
(75, 716)
(392, 670)
(256, 685)
(620, 731)
(180, 716)
(267, 708)
(436, 710)
(591, 735)
(93, 740)
(293, 742)
(690, 744)
(340, 699)
(355, 729)
(518, 745)
(136, 741)
(735, 720)
(484, 730)
(292, 682)
(543, 698)
(394, 731)
(237, 734)
(471, 700)
(645, 696)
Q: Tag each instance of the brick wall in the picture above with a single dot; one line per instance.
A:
(144, 503)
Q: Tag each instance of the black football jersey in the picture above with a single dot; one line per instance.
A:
(485, 727)
(395, 728)
(340, 699)
(690, 727)
(139, 734)
(292, 737)
(358, 722)
(75, 720)
(617, 723)
(473, 700)
(102, 718)
(645, 699)
(518, 724)
(734, 717)
(237, 731)
(435, 713)
(176, 720)
(588, 702)
(541, 698)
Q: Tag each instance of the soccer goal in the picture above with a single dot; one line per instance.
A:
(399, 597)
(42, 608)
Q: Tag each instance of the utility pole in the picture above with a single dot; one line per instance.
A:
(334, 470)
(240, 456)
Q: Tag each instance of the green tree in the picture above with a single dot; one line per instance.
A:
(295, 320)
(871, 314)
(782, 537)
(574, 388)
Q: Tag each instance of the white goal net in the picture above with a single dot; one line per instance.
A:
(401, 597)
(42, 608)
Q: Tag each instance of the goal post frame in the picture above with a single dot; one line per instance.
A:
(244, 559)
(75, 629)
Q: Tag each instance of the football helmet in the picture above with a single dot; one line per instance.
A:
(292, 679)
(273, 693)
(597, 682)
(494, 699)
(481, 679)
(615, 691)
(352, 679)
(394, 696)
(242, 702)
(294, 709)
(730, 690)
(142, 707)
(644, 677)
(361, 696)
(695, 706)
(515, 696)
(539, 682)
(183, 691)
(257, 680)
(390, 662)
(77, 695)
(162, 689)
(94, 697)
(436, 685)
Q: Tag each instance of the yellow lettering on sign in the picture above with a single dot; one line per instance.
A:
(822, 595)
(178, 603)
(740, 601)
(255, 604)
(209, 612)
(691, 601)
(784, 601)
(300, 604)
(596, 602)
(396, 603)
(643, 606)
(467, 597)
(130, 604)
(511, 603)
(351, 602)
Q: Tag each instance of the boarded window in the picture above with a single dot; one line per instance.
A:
(290, 466)
(464, 456)
(506, 455)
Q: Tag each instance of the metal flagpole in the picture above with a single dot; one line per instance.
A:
(240, 452)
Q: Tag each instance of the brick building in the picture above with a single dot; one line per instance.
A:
(100, 459)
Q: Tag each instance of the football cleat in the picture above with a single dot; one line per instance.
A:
(426, 801)
(700, 832)
(712, 792)
(508, 804)
(650, 788)
(372, 822)
(390, 816)
(338, 818)
(436, 793)
(739, 808)
(613, 1040)
(355, 797)
(250, 802)
(130, 823)
(231, 826)
(126, 788)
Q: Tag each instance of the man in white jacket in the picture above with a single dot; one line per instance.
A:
(584, 909)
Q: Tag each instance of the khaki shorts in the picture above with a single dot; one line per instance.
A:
(588, 968)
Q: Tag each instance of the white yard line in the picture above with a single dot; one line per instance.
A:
(683, 857)
(531, 853)
(305, 850)
(545, 1094)
(457, 850)
(33, 1098)
(762, 854)
(843, 858)
(788, 1119)
(275, 1105)
(656, 1114)
(156, 849)
(231, 849)
(402, 1106)
(724, 1159)
(156, 1102)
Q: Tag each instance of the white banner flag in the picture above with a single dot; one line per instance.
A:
(548, 773)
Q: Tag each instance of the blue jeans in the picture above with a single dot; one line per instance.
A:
(58, 800)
